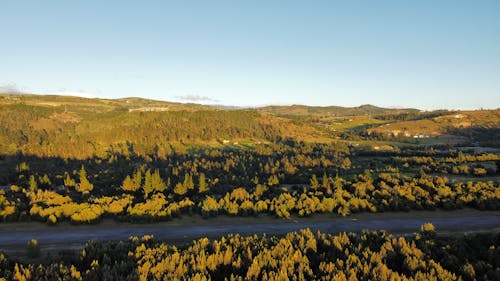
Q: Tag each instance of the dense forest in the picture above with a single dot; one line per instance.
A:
(285, 179)
(303, 255)
(68, 129)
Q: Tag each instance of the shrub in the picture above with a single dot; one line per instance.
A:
(33, 249)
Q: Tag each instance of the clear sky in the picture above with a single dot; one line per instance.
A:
(424, 54)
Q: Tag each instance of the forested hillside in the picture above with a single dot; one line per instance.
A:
(72, 127)
(82, 128)
(284, 180)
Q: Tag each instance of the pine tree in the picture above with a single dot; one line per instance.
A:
(84, 186)
(228, 256)
(137, 180)
(188, 182)
(69, 182)
(128, 184)
(157, 182)
(346, 163)
(314, 182)
(180, 189)
(33, 184)
(45, 180)
(325, 182)
(148, 183)
(273, 180)
(203, 187)
(255, 180)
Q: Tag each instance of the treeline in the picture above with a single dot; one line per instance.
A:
(303, 255)
(460, 157)
(415, 115)
(459, 164)
(484, 136)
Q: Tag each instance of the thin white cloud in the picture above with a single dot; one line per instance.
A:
(13, 88)
(10, 88)
(82, 94)
(196, 98)
(63, 92)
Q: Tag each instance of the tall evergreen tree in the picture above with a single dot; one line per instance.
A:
(157, 182)
(314, 182)
(128, 184)
(188, 182)
(203, 186)
(33, 184)
(84, 186)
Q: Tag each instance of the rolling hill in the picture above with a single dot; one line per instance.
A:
(75, 127)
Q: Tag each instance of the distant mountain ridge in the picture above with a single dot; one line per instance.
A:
(136, 103)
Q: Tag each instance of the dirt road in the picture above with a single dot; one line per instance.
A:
(13, 237)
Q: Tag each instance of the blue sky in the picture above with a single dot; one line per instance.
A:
(424, 54)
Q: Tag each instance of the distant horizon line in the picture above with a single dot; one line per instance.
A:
(87, 95)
